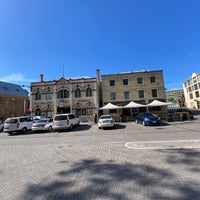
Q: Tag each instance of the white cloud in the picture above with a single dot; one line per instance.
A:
(16, 77)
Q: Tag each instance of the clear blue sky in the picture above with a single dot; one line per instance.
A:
(42, 36)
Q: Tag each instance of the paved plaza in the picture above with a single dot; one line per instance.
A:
(130, 162)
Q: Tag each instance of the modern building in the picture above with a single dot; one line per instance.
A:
(14, 100)
(140, 86)
(176, 96)
(66, 95)
(192, 91)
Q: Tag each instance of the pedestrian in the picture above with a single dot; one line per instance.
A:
(95, 117)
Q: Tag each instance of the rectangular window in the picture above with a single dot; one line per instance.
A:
(152, 79)
(194, 80)
(125, 81)
(197, 94)
(154, 92)
(126, 94)
(112, 96)
(196, 86)
(112, 82)
(139, 80)
(191, 96)
(190, 89)
(141, 93)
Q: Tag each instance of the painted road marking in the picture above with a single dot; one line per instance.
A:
(171, 144)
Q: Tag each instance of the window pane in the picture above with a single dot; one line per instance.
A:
(38, 95)
(112, 82)
(125, 81)
(152, 79)
(154, 92)
(126, 94)
(49, 95)
(197, 94)
(139, 80)
(88, 92)
(77, 93)
(113, 96)
(141, 93)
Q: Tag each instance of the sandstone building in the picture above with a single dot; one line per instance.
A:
(141, 87)
(14, 100)
(75, 95)
(192, 91)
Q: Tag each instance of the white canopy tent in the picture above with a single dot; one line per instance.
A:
(109, 106)
(158, 103)
(133, 104)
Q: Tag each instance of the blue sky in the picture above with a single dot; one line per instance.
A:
(45, 36)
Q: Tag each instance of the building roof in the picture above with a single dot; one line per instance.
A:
(12, 89)
(132, 72)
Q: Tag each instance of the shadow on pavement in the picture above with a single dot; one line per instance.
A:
(96, 179)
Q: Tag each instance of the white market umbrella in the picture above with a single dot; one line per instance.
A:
(133, 104)
(109, 106)
(157, 103)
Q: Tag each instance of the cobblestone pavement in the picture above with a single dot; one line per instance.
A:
(129, 162)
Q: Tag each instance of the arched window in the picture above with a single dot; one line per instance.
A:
(37, 112)
(88, 92)
(63, 94)
(38, 95)
(77, 93)
(48, 94)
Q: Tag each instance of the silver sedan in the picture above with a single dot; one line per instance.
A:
(106, 121)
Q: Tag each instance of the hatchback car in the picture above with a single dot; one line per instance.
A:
(43, 125)
(65, 121)
(18, 124)
(106, 121)
(147, 118)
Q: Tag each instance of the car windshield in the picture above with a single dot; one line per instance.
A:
(105, 117)
(148, 114)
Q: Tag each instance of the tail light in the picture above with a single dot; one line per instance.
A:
(67, 122)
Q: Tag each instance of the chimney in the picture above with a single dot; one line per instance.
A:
(98, 75)
(41, 78)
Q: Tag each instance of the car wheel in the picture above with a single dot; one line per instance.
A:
(71, 127)
(50, 128)
(143, 123)
(24, 130)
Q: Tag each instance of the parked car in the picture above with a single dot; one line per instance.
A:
(106, 121)
(18, 124)
(44, 124)
(65, 121)
(1, 126)
(147, 118)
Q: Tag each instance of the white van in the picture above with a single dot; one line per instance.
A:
(18, 124)
(65, 121)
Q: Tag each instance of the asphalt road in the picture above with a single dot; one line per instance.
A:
(128, 162)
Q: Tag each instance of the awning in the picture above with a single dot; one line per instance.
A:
(133, 104)
(109, 106)
(158, 103)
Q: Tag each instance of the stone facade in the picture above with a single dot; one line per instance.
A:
(12, 106)
(192, 91)
(75, 95)
(141, 87)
